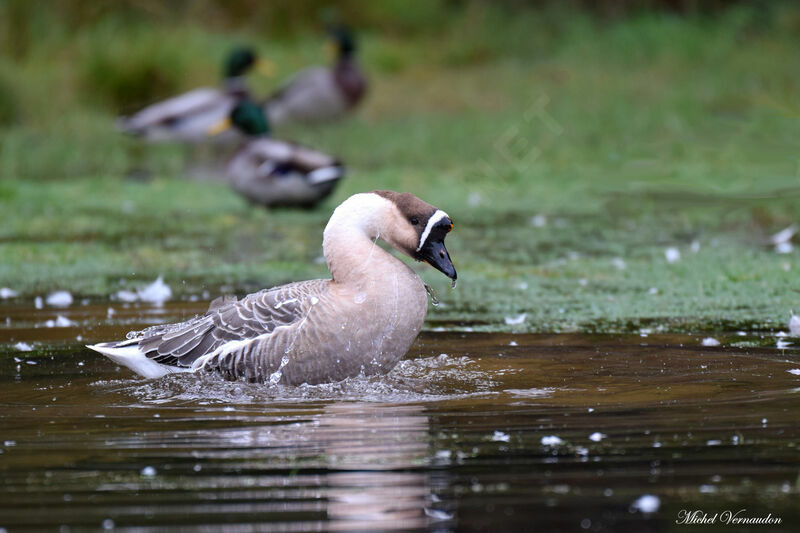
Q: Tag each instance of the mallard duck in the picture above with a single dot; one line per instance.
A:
(274, 173)
(362, 321)
(189, 116)
(318, 94)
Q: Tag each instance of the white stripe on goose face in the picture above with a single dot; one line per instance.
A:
(435, 219)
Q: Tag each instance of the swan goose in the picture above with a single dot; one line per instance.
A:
(361, 321)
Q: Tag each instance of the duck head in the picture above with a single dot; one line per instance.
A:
(247, 117)
(241, 59)
(418, 229)
(238, 62)
(343, 40)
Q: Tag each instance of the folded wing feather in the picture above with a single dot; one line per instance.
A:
(229, 321)
(196, 101)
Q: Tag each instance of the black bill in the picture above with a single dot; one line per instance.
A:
(433, 251)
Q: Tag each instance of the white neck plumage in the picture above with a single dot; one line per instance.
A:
(348, 242)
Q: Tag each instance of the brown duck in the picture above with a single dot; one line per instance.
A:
(319, 94)
(276, 173)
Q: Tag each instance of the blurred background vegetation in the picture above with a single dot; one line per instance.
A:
(118, 56)
(626, 126)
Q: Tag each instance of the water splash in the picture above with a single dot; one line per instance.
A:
(276, 376)
(428, 379)
(432, 294)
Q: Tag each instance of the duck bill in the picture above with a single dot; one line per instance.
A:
(219, 127)
(329, 49)
(265, 68)
(435, 254)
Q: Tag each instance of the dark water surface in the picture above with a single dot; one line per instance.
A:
(473, 432)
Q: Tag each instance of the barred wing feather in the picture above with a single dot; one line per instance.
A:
(233, 330)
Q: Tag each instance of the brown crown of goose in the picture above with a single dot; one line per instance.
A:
(410, 237)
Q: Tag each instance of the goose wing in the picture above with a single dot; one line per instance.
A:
(231, 326)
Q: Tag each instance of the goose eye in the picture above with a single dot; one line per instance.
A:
(414, 221)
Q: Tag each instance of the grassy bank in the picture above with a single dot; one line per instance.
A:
(570, 152)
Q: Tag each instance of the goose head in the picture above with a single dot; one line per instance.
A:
(417, 229)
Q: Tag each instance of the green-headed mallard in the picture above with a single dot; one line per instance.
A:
(273, 173)
(362, 321)
(318, 94)
(189, 117)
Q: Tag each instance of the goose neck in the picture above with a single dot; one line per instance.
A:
(350, 240)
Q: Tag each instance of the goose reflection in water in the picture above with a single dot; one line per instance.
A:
(373, 457)
(367, 444)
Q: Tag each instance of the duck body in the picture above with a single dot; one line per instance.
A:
(320, 94)
(189, 116)
(185, 118)
(275, 173)
(317, 94)
(362, 321)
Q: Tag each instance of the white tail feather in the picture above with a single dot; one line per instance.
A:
(324, 174)
(134, 359)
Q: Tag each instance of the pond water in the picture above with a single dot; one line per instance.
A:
(472, 432)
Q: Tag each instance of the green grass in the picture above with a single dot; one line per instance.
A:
(628, 137)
